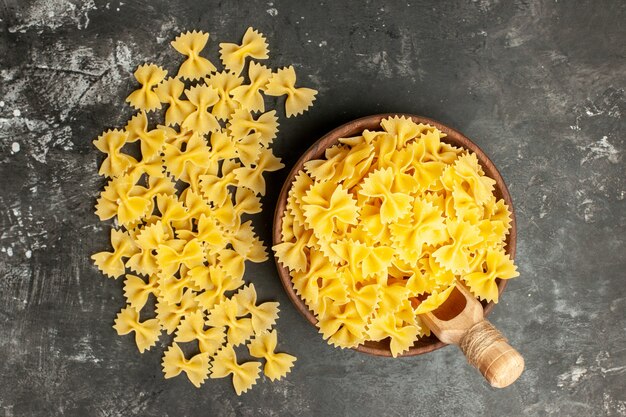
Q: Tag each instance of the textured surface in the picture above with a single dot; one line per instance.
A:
(537, 84)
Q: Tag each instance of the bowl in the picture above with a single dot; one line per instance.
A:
(355, 127)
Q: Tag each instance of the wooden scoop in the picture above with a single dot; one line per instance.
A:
(459, 320)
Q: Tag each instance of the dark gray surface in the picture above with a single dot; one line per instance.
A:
(539, 85)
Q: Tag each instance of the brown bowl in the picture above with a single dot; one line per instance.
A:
(355, 127)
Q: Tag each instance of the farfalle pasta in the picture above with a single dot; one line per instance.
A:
(144, 98)
(283, 82)
(249, 95)
(253, 45)
(190, 44)
(277, 365)
(381, 230)
(179, 197)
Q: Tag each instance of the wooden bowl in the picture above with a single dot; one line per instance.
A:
(355, 127)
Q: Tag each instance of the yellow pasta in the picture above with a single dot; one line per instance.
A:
(192, 328)
(116, 162)
(283, 83)
(148, 75)
(111, 263)
(225, 314)
(190, 44)
(263, 316)
(244, 375)
(146, 332)
(277, 365)
(383, 227)
(180, 200)
(151, 141)
(249, 95)
(253, 45)
(196, 368)
(170, 91)
(252, 177)
(224, 82)
(242, 123)
(137, 291)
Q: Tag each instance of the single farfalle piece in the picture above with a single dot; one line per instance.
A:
(241, 237)
(201, 120)
(214, 187)
(283, 83)
(380, 184)
(131, 205)
(246, 202)
(225, 314)
(401, 335)
(148, 75)
(170, 315)
(253, 45)
(249, 95)
(305, 281)
(196, 152)
(324, 169)
(152, 167)
(193, 328)
(148, 239)
(222, 147)
(196, 368)
(455, 255)
(497, 210)
(214, 281)
(172, 288)
(364, 294)
(328, 207)
(293, 254)
(116, 162)
(173, 212)
(111, 263)
(169, 259)
(190, 44)
(482, 283)
(137, 290)
(245, 375)
(403, 128)
(151, 141)
(224, 82)
(252, 177)
(424, 225)
(146, 332)
(480, 186)
(343, 326)
(209, 233)
(352, 254)
(170, 91)
(430, 147)
(277, 365)
(263, 315)
(242, 123)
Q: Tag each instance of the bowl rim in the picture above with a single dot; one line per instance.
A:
(351, 128)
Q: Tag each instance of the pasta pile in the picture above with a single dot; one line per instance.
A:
(380, 231)
(181, 209)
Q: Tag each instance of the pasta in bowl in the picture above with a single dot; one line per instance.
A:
(378, 221)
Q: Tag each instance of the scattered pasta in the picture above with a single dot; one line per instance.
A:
(381, 230)
(180, 206)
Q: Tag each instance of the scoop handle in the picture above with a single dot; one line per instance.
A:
(486, 349)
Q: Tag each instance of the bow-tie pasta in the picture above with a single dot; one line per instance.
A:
(181, 187)
(381, 230)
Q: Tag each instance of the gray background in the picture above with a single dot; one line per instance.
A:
(539, 85)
